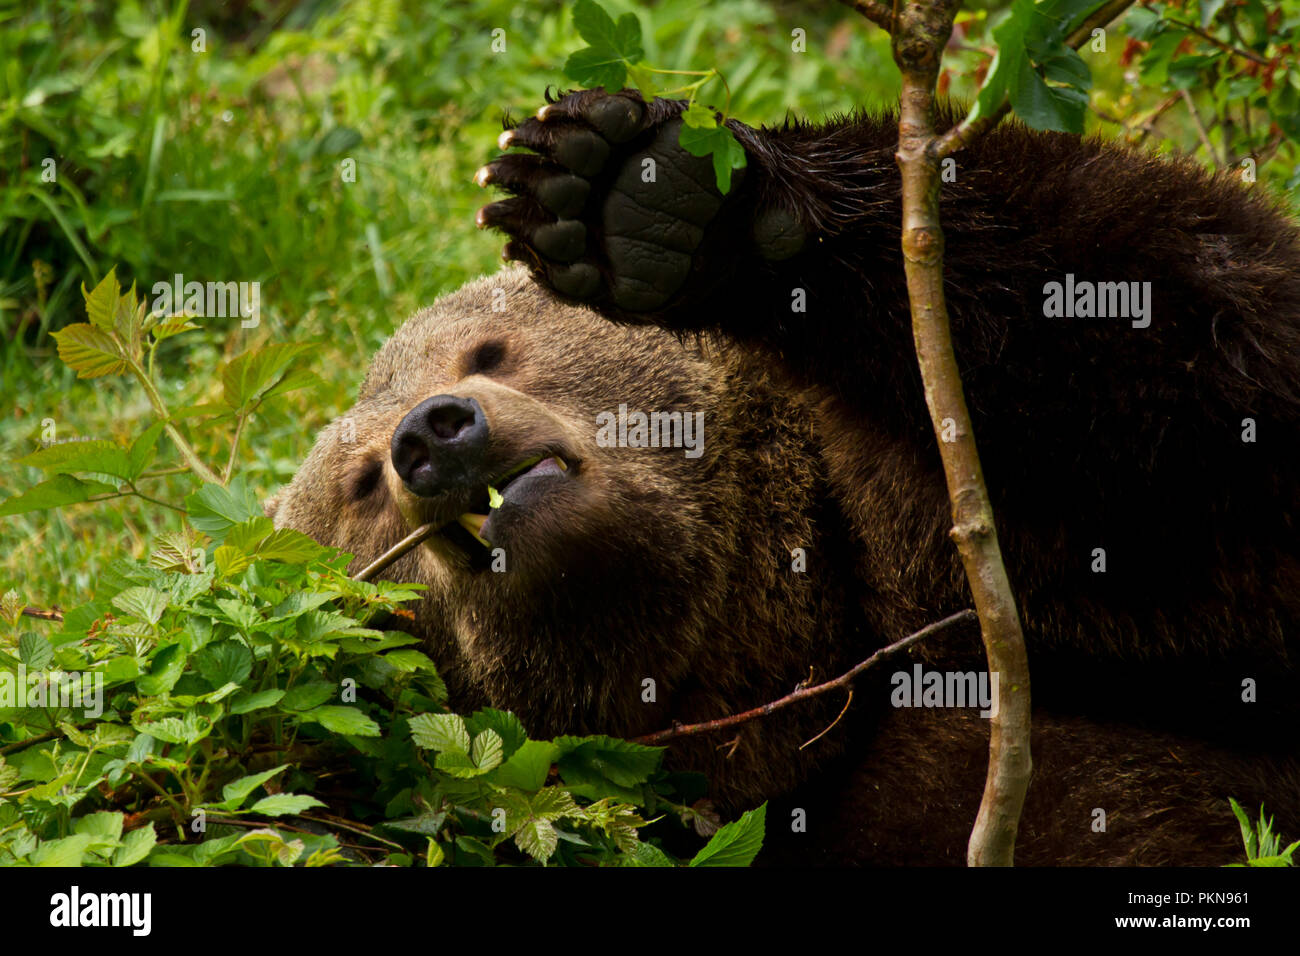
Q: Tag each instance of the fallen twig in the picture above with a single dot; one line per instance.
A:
(801, 692)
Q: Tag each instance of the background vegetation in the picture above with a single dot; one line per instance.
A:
(217, 156)
(224, 165)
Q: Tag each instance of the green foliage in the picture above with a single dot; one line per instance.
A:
(1202, 76)
(226, 165)
(1233, 66)
(1046, 81)
(1263, 845)
(154, 708)
(614, 53)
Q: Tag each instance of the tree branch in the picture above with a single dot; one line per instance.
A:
(422, 533)
(1228, 47)
(43, 615)
(922, 31)
(803, 693)
(881, 14)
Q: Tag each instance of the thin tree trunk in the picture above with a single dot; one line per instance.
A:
(921, 31)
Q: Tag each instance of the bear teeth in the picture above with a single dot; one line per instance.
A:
(473, 523)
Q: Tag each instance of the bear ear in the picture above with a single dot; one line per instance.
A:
(271, 506)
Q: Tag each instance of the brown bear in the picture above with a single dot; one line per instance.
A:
(733, 486)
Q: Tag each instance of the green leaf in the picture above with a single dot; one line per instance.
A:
(104, 827)
(552, 803)
(293, 380)
(409, 661)
(504, 723)
(1033, 36)
(1143, 23)
(288, 546)
(1154, 68)
(307, 696)
(622, 762)
(737, 843)
(599, 30)
(458, 764)
(143, 450)
(89, 351)
(101, 303)
(236, 792)
(699, 116)
(68, 851)
(487, 750)
(343, 720)
(646, 854)
(537, 838)
(214, 510)
(101, 457)
(1247, 831)
(35, 651)
(445, 733)
(164, 671)
(243, 616)
(280, 804)
(172, 326)
(1189, 72)
(247, 703)
(611, 47)
(142, 603)
(246, 376)
(58, 491)
(120, 669)
(1059, 108)
(135, 846)
(644, 80)
(174, 730)
(247, 535)
(230, 560)
(1209, 10)
(595, 68)
(719, 142)
(224, 662)
(527, 767)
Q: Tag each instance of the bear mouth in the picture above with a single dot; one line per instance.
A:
(471, 530)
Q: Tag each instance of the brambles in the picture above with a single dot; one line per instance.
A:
(230, 699)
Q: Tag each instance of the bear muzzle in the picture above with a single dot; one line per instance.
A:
(445, 455)
(440, 446)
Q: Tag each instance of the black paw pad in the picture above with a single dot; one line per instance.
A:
(778, 234)
(562, 241)
(617, 118)
(563, 195)
(579, 281)
(582, 151)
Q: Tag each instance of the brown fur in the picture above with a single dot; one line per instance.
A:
(653, 571)
(650, 565)
(645, 572)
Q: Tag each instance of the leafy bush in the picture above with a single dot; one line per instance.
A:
(239, 674)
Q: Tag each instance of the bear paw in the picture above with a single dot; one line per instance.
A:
(607, 208)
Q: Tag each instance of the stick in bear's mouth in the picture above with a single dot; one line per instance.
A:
(473, 522)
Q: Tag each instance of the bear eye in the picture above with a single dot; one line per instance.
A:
(365, 480)
(487, 357)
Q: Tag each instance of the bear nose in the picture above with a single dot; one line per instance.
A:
(439, 445)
